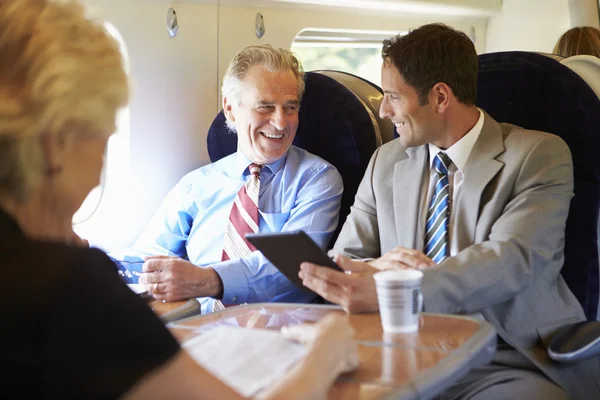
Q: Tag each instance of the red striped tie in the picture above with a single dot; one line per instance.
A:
(243, 218)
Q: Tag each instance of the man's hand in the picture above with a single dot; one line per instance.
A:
(402, 258)
(173, 278)
(353, 290)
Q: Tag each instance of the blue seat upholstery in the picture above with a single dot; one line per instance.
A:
(537, 92)
(333, 125)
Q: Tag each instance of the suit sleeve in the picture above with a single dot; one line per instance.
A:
(525, 243)
(359, 237)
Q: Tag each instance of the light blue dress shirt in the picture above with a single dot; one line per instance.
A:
(298, 192)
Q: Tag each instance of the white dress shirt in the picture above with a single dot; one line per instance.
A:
(459, 153)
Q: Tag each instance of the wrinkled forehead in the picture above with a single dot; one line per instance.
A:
(262, 85)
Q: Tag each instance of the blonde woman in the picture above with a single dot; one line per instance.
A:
(70, 327)
(579, 40)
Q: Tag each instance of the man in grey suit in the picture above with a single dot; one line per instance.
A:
(479, 206)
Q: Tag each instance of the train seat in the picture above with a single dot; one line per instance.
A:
(537, 92)
(587, 67)
(371, 96)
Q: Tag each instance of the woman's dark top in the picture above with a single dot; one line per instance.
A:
(70, 327)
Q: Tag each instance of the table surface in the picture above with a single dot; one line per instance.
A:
(407, 366)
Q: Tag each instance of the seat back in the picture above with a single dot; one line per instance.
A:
(371, 96)
(537, 92)
(334, 125)
(587, 67)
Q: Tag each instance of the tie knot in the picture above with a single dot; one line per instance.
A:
(441, 162)
(255, 169)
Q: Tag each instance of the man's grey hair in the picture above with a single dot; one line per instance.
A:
(270, 58)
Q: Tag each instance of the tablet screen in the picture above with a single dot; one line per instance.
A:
(287, 250)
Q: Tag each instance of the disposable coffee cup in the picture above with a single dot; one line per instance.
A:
(400, 299)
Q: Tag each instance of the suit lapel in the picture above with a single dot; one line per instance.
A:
(480, 170)
(408, 175)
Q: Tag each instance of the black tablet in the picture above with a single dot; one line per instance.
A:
(287, 250)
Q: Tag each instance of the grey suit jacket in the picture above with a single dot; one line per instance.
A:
(509, 224)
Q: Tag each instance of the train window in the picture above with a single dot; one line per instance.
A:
(95, 219)
(355, 52)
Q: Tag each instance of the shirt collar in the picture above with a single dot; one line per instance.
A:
(242, 162)
(459, 152)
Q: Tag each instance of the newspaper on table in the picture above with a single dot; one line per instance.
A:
(247, 360)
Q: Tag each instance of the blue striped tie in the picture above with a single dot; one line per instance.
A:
(436, 228)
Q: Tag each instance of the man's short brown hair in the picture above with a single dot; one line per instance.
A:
(435, 53)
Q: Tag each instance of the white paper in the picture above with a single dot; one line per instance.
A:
(247, 360)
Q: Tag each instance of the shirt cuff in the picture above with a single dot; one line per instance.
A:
(235, 282)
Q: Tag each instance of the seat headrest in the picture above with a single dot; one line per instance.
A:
(587, 67)
(371, 96)
(334, 125)
(537, 92)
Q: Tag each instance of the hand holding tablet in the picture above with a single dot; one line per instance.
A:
(287, 250)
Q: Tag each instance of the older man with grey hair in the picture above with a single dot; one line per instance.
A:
(195, 245)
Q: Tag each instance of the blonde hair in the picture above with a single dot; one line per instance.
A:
(60, 73)
(580, 40)
(270, 58)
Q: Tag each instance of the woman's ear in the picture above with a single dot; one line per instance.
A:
(53, 149)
